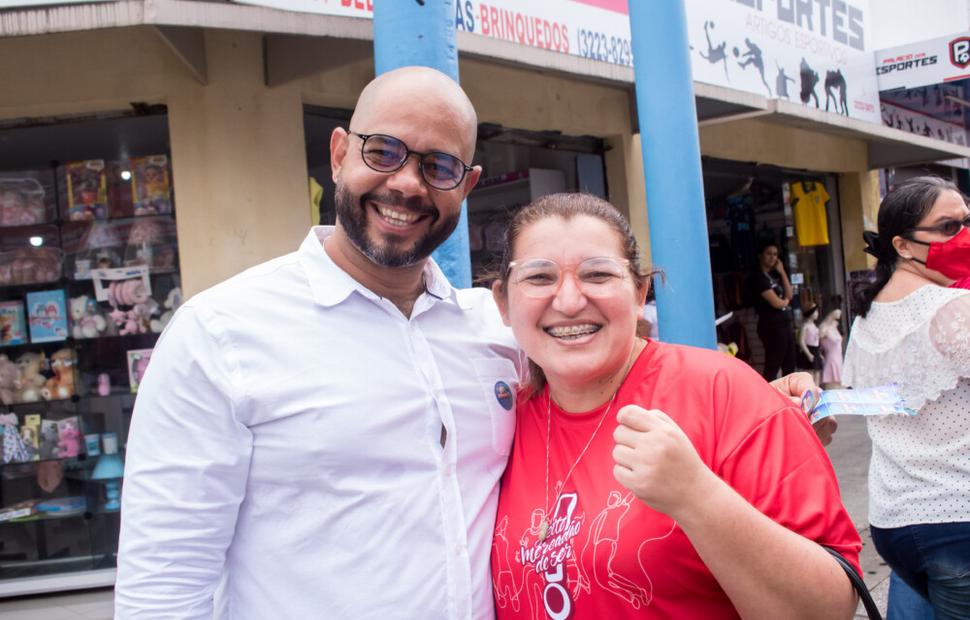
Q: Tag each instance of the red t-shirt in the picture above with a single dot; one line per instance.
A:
(621, 558)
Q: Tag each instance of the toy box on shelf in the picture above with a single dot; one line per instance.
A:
(87, 190)
(27, 198)
(13, 327)
(151, 186)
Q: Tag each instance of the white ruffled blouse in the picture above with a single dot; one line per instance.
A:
(920, 467)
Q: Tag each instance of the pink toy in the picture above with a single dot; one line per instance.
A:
(69, 444)
(104, 384)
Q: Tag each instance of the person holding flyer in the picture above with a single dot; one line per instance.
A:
(914, 331)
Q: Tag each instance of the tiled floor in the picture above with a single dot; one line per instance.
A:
(87, 605)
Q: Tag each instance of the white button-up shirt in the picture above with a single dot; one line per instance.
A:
(287, 436)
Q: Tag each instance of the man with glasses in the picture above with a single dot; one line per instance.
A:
(324, 433)
(304, 426)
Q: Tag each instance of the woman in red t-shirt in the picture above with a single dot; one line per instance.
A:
(648, 479)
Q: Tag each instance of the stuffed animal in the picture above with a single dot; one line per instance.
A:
(136, 320)
(171, 304)
(88, 322)
(9, 379)
(61, 385)
(21, 202)
(31, 382)
(127, 292)
(69, 443)
(27, 265)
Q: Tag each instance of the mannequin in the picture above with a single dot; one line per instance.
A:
(830, 341)
(808, 342)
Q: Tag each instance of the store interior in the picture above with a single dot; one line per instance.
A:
(748, 205)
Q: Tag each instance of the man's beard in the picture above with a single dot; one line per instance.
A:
(352, 215)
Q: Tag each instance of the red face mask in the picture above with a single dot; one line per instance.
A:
(952, 258)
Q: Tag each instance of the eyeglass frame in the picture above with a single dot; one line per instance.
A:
(964, 223)
(364, 137)
(625, 262)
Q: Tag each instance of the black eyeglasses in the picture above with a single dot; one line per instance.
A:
(388, 154)
(946, 227)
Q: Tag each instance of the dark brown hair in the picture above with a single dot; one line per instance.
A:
(567, 206)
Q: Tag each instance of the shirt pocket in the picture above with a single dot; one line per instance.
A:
(499, 383)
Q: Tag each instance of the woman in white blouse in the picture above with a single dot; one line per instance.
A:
(915, 332)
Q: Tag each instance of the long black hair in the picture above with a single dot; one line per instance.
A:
(901, 210)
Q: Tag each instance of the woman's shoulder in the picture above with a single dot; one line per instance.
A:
(724, 374)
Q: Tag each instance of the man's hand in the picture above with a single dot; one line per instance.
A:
(794, 386)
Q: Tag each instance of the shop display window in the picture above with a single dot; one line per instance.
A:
(89, 277)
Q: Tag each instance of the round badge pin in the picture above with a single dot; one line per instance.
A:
(504, 395)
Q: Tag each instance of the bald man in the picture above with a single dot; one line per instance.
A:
(324, 433)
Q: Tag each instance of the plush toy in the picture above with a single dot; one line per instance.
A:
(21, 202)
(69, 443)
(136, 320)
(127, 292)
(31, 380)
(27, 265)
(9, 379)
(171, 304)
(88, 322)
(61, 385)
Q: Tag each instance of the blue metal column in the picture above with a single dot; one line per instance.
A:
(422, 32)
(672, 169)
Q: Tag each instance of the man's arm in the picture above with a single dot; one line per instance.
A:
(185, 477)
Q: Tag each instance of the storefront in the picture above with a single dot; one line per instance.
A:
(240, 131)
(241, 101)
(751, 205)
(89, 276)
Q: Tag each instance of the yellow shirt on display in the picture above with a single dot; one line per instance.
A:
(811, 223)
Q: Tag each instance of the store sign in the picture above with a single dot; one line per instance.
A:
(925, 63)
(791, 49)
(9, 4)
(920, 123)
(812, 52)
(597, 29)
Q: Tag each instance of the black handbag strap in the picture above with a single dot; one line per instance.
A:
(858, 584)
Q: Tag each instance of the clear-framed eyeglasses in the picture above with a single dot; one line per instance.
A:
(388, 154)
(597, 277)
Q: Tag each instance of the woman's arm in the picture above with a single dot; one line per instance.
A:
(774, 300)
(803, 346)
(780, 268)
(766, 570)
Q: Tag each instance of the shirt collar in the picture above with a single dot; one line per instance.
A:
(331, 285)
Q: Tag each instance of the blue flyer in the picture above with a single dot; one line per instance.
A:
(47, 316)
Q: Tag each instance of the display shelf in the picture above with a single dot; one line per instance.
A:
(54, 551)
(80, 459)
